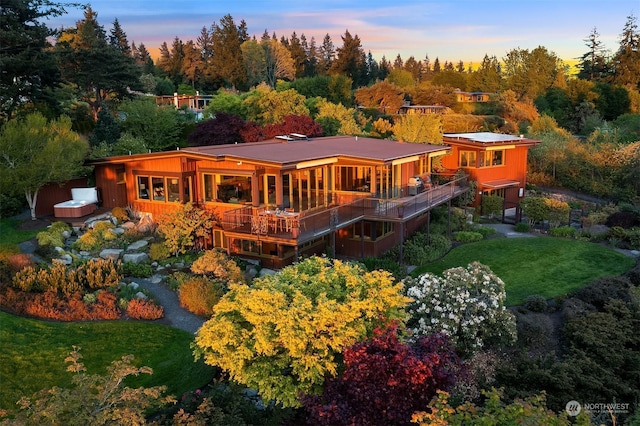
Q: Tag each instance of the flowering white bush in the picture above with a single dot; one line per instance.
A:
(467, 304)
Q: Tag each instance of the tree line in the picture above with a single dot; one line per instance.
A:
(273, 86)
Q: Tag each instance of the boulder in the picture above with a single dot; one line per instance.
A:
(113, 254)
(137, 245)
(135, 257)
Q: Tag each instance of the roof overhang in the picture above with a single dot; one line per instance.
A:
(500, 183)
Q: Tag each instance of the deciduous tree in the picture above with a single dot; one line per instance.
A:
(94, 399)
(418, 128)
(156, 125)
(385, 381)
(265, 105)
(383, 96)
(283, 335)
(34, 152)
(278, 62)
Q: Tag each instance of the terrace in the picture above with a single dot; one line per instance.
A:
(299, 228)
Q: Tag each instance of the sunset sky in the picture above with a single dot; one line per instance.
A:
(451, 30)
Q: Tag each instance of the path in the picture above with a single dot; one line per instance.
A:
(174, 314)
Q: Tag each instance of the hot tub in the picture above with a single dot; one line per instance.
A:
(83, 203)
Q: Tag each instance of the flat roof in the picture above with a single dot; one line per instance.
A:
(290, 152)
(297, 151)
(485, 138)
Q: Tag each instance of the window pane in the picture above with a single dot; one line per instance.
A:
(143, 187)
(173, 189)
(209, 194)
(158, 188)
(497, 158)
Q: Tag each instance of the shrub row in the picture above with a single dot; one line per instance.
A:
(92, 275)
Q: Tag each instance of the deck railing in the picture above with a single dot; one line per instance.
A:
(310, 225)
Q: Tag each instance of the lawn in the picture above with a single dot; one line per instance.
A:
(10, 236)
(546, 266)
(33, 353)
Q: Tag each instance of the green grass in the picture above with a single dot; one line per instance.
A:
(10, 237)
(33, 353)
(546, 266)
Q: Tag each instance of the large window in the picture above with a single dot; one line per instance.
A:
(491, 158)
(158, 188)
(226, 188)
(468, 159)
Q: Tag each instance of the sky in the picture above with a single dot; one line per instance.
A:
(450, 30)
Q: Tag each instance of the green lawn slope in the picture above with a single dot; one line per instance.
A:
(33, 353)
(543, 265)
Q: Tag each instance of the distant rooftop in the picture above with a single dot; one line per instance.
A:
(487, 138)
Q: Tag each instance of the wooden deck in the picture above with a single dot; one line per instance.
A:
(309, 226)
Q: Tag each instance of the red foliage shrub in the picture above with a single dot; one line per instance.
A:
(55, 306)
(144, 309)
(385, 381)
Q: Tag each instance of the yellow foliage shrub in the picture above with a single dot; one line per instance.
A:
(199, 294)
(120, 213)
(216, 263)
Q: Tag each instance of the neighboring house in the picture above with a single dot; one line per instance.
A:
(196, 103)
(470, 97)
(279, 199)
(497, 162)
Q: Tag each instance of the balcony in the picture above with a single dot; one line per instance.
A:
(298, 228)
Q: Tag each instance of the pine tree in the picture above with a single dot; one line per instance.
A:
(118, 38)
(100, 69)
(27, 64)
(626, 62)
(327, 55)
(297, 54)
(311, 54)
(350, 59)
(593, 64)
(227, 63)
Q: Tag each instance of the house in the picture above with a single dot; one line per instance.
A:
(497, 162)
(290, 196)
(471, 97)
(196, 103)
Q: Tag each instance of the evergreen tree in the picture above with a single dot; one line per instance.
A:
(413, 67)
(593, 64)
(436, 65)
(107, 129)
(192, 65)
(373, 70)
(398, 63)
(100, 70)
(350, 59)
(227, 63)
(27, 64)
(487, 77)
(118, 38)
(243, 34)
(327, 55)
(204, 43)
(298, 54)
(311, 62)
(626, 62)
(385, 68)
